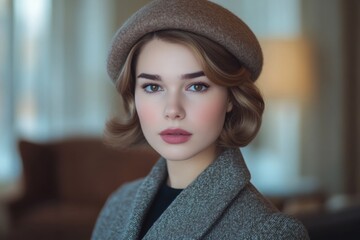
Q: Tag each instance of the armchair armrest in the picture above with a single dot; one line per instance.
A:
(38, 178)
(39, 165)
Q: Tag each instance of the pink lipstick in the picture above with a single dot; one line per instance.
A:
(175, 136)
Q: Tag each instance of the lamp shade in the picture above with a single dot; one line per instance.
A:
(288, 70)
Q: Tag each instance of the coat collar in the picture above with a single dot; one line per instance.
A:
(198, 206)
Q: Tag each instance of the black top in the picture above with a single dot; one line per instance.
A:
(162, 200)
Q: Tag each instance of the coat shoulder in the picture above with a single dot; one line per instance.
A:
(116, 209)
(252, 216)
(281, 226)
(271, 223)
(124, 193)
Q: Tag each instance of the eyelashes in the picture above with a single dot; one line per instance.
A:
(152, 88)
(198, 87)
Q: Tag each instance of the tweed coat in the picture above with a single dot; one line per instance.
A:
(220, 204)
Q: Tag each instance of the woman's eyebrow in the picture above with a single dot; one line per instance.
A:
(192, 75)
(149, 76)
(186, 76)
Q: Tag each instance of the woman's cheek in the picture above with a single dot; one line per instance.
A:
(212, 113)
(146, 112)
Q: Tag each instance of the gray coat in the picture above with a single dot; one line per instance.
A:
(220, 204)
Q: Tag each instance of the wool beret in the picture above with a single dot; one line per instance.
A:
(201, 17)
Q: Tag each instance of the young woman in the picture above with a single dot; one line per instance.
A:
(186, 72)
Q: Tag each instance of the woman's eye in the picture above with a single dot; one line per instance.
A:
(151, 88)
(198, 87)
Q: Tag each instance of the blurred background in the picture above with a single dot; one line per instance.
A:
(54, 86)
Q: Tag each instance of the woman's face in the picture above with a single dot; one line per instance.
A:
(181, 111)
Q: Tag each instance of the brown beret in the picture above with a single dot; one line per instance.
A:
(197, 16)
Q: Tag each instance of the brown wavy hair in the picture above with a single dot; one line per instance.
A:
(221, 67)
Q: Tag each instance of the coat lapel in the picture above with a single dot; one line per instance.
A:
(144, 197)
(197, 208)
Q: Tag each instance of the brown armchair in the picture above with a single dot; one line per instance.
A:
(67, 182)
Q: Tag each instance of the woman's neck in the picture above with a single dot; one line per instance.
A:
(183, 172)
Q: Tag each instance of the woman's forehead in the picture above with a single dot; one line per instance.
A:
(162, 56)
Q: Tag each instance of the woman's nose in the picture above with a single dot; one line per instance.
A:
(174, 109)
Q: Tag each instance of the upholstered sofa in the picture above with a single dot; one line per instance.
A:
(65, 184)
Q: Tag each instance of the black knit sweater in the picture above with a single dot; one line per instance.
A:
(162, 200)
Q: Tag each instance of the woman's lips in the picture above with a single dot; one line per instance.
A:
(175, 136)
